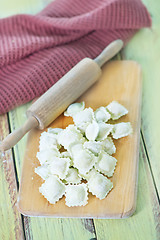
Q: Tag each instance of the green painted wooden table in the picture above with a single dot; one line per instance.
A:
(145, 223)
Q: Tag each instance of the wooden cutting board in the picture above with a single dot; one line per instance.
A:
(121, 81)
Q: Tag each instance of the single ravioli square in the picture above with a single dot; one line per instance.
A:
(83, 159)
(85, 116)
(104, 130)
(74, 109)
(46, 156)
(94, 146)
(99, 185)
(116, 110)
(122, 129)
(72, 177)
(52, 189)
(48, 140)
(69, 135)
(108, 145)
(76, 195)
(106, 164)
(43, 171)
(60, 166)
(102, 115)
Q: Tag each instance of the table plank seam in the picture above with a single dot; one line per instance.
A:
(92, 220)
(16, 176)
(13, 155)
(150, 168)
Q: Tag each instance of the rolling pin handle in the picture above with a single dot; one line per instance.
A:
(110, 51)
(61, 91)
(16, 136)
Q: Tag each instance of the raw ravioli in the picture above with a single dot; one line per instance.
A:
(60, 166)
(94, 146)
(108, 145)
(75, 148)
(83, 159)
(116, 110)
(87, 157)
(121, 130)
(69, 136)
(76, 195)
(47, 141)
(102, 115)
(82, 127)
(99, 185)
(88, 175)
(74, 108)
(47, 155)
(65, 154)
(104, 130)
(72, 176)
(106, 164)
(52, 189)
(92, 131)
(43, 171)
(85, 116)
(55, 130)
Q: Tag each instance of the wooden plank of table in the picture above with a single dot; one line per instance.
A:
(62, 229)
(145, 223)
(144, 48)
(10, 220)
(16, 118)
(46, 228)
(49, 227)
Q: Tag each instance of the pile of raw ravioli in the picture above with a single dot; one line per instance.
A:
(87, 154)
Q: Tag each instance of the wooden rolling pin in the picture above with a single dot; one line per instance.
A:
(71, 86)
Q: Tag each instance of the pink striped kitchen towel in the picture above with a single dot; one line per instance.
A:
(36, 51)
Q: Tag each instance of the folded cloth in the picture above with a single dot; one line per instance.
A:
(36, 51)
